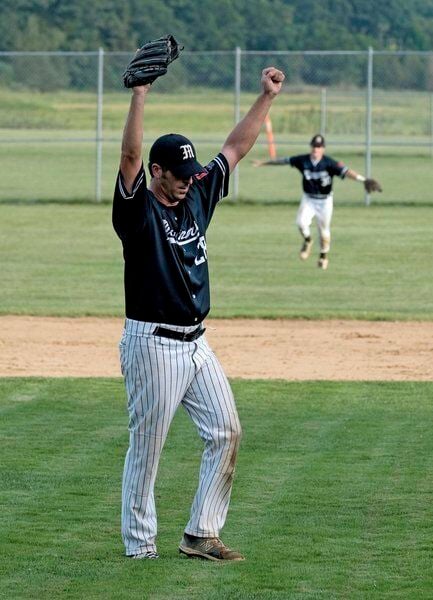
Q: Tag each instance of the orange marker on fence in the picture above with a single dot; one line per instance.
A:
(270, 137)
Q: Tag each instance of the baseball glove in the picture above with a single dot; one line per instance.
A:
(151, 61)
(371, 185)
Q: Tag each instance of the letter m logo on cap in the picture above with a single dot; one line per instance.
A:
(187, 151)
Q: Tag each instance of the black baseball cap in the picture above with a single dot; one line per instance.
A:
(318, 141)
(176, 153)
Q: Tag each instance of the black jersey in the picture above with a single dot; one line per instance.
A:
(317, 177)
(164, 248)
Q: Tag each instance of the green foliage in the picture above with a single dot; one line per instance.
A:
(263, 25)
(332, 495)
(251, 24)
(347, 24)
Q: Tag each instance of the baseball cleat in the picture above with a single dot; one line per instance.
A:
(149, 555)
(208, 548)
(305, 250)
(323, 263)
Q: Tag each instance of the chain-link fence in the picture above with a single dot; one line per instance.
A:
(62, 115)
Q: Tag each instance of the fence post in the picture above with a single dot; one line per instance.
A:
(238, 55)
(431, 125)
(99, 124)
(323, 109)
(368, 120)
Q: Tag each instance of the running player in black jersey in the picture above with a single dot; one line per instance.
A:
(165, 358)
(317, 201)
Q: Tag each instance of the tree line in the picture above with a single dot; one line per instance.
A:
(208, 25)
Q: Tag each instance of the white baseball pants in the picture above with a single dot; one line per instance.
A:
(160, 374)
(322, 210)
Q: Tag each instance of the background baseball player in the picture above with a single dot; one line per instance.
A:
(165, 358)
(317, 201)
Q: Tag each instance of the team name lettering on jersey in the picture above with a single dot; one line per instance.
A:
(182, 237)
(324, 176)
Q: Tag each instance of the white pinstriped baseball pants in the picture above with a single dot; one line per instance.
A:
(160, 374)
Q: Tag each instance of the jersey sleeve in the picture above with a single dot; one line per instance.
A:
(295, 161)
(130, 209)
(338, 169)
(213, 184)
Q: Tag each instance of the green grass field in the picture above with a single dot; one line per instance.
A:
(66, 260)
(63, 171)
(209, 110)
(48, 148)
(332, 499)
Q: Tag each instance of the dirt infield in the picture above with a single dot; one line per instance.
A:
(280, 349)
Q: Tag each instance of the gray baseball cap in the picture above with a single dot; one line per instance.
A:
(176, 153)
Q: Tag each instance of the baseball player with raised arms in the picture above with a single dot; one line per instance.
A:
(165, 358)
(317, 199)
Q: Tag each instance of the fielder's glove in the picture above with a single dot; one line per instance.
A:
(371, 185)
(151, 61)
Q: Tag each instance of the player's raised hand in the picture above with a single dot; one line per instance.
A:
(272, 80)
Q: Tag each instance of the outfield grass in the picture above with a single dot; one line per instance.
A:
(332, 499)
(66, 260)
(48, 145)
(208, 110)
(65, 171)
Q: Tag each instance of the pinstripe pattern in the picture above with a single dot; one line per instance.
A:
(160, 374)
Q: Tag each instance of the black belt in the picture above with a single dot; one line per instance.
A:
(318, 196)
(180, 335)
